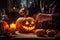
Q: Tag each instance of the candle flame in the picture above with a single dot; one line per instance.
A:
(12, 25)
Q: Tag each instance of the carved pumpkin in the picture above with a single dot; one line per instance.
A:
(12, 28)
(50, 32)
(40, 32)
(25, 24)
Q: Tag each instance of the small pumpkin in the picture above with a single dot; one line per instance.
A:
(5, 26)
(40, 32)
(50, 32)
(25, 24)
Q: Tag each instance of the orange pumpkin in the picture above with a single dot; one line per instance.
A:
(5, 26)
(25, 24)
(40, 32)
(50, 32)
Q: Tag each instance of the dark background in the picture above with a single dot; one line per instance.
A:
(3, 4)
(56, 18)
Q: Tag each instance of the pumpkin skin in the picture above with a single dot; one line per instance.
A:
(25, 24)
(50, 32)
(5, 26)
(40, 32)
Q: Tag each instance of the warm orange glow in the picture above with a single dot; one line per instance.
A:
(28, 28)
(27, 22)
(6, 26)
(13, 26)
(32, 22)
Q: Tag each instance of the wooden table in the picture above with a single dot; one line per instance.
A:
(31, 36)
(25, 36)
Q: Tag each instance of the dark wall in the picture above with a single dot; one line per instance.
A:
(3, 4)
(57, 9)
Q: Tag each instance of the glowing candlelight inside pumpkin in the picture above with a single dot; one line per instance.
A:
(27, 22)
(32, 22)
(28, 28)
(12, 28)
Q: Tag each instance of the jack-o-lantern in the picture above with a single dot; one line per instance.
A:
(25, 24)
(40, 32)
(50, 32)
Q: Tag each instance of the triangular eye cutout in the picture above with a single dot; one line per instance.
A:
(32, 22)
(27, 23)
